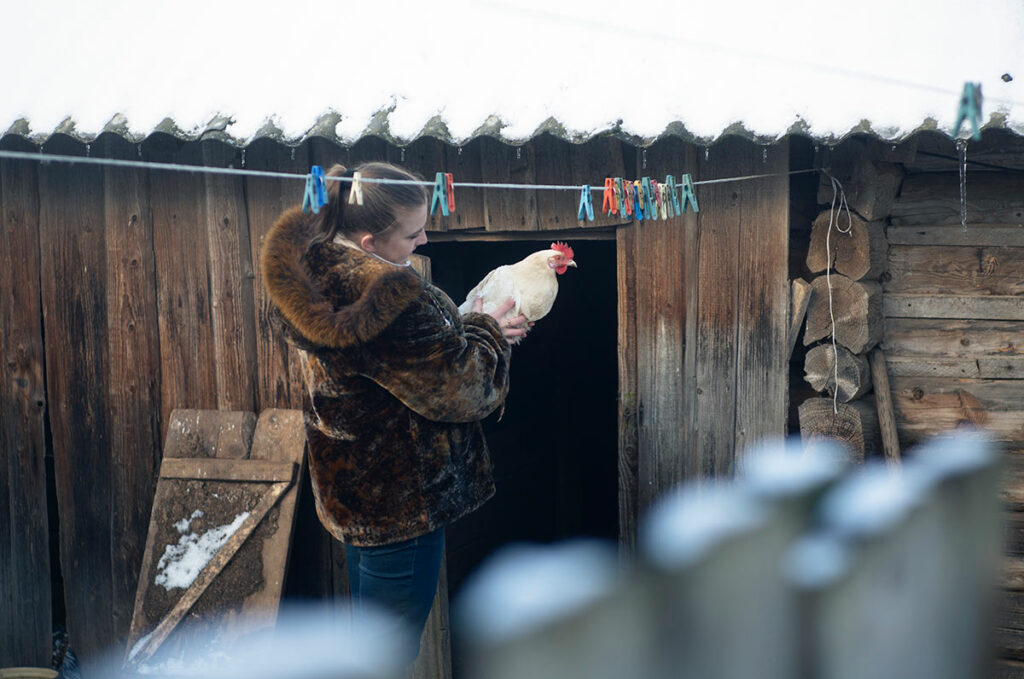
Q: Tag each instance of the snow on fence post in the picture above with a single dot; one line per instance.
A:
(554, 612)
(898, 578)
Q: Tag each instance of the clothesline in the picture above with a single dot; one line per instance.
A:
(202, 169)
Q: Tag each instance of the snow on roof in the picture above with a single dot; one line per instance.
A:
(401, 69)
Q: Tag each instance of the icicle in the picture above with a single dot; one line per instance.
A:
(764, 155)
(645, 159)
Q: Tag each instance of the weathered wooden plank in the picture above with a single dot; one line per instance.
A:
(934, 198)
(854, 425)
(988, 307)
(870, 188)
(133, 402)
(74, 278)
(264, 471)
(1012, 491)
(834, 370)
(465, 164)
(954, 337)
(930, 405)
(660, 297)
(504, 209)
(209, 433)
(1004, 367)
(435, 658)
(278, 379)
(1003, 668)
(553, 165)
(628, 461)
(717, 314)
(799, 299)
(853, 308)
(187, 362)
(883, 403)
(24, 532)
(976, 235)
(1012, 576)
(848, 244)
(232, 275)
(947, 270)
(762, 333)
(591, 163)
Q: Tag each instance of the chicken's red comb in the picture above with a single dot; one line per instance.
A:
(563, 248)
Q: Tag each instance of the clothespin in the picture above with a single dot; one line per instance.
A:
(688, 194)
(970, 110)
(664, 204)
(315, 196)
(449, 189)
(620, 193)
(650, 207)
(440, 196)
(586, 205)
(638, 200)
(355, 192)
(609, 206)
(671, 181)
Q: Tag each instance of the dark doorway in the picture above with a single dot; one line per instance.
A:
(555, 447)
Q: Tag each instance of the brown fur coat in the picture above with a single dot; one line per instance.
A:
(396, 383)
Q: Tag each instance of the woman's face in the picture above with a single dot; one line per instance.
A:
(399, 242)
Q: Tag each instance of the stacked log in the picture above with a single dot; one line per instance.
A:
(848, 251)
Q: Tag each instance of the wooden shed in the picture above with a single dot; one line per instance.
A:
(129, 292)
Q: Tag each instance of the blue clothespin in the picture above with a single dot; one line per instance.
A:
(650, 206)
(688, 194)
(671, 181)
(440, 194)
(586, 204)
(315, 196)
(970, 110)
(638, 201)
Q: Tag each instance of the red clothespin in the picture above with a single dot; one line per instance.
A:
(355, 192)
(449, 190)
(609, 206)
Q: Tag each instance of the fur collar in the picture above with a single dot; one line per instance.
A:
(335, 296)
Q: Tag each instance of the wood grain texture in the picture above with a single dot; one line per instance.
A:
(74, 279)
(187, 360)
(945, 270)
(133, 401)
(24, 533)
(847, 243)
(660, 298)
(934, 198)
(762, 331)
(977, 235)
(930, 405)
(952, 337)
(466, 165)
(278, 379)
(883, 403)
(799, 299)
(853, 425)
(435, 658)
(628, 456)
(987, 307)
(232, 275)
(855, 307)
(504, 209)
(870, 187)
(824, 362)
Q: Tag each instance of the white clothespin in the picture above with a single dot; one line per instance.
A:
(355, 193)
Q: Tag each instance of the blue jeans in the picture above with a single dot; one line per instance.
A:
(400, 578)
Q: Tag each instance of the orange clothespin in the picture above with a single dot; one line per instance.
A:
(609, 205)
(355, 192)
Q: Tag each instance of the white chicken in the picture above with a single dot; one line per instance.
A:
(532, 282)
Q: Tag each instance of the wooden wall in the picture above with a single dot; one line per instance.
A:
(127, 293)
(703, 322)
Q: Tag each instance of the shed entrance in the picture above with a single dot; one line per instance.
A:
(555, 448)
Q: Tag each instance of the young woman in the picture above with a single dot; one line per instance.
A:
(396, 384)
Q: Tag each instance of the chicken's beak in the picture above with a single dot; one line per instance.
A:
(571, 263)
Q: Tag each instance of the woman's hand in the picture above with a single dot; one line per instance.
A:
(512, 328)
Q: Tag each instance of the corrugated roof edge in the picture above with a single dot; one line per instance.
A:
(436, 128)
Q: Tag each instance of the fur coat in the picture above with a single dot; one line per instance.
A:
(396, 384)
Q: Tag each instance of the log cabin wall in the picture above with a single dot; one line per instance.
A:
(128, 293)
(946, 311)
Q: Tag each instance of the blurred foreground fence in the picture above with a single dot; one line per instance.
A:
(797, 568)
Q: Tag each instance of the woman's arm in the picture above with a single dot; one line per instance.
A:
(447, 373)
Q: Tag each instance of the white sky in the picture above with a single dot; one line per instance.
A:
(765, 64)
